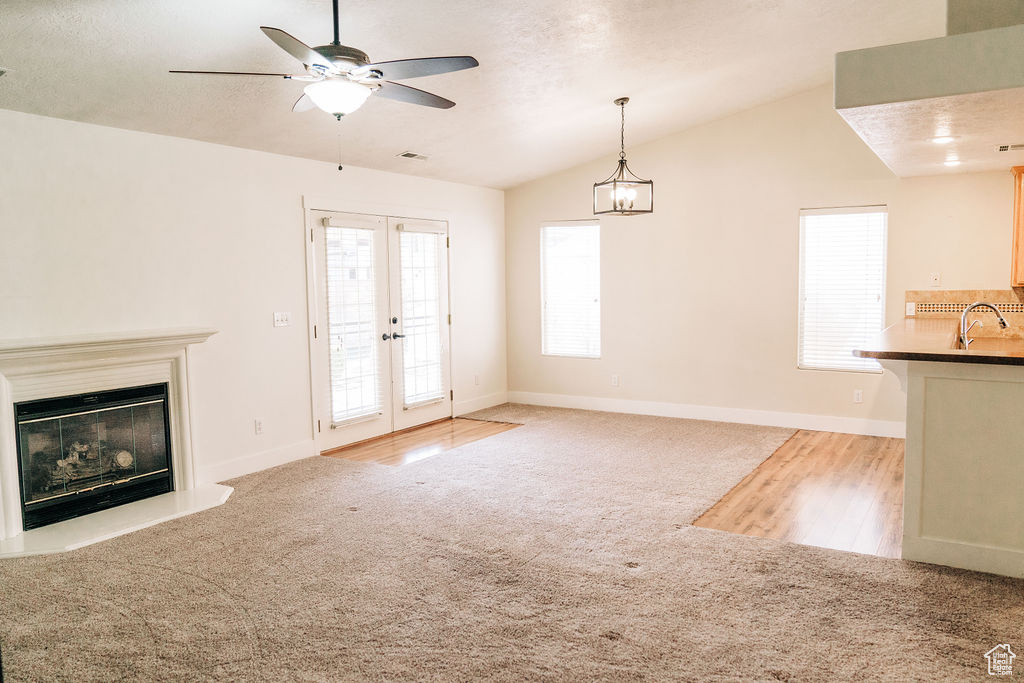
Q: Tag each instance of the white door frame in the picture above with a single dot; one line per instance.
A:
(312, 203)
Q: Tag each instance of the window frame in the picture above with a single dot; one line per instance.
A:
(596, 224)
(838, 210)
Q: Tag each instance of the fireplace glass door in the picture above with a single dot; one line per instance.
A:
(82, 453)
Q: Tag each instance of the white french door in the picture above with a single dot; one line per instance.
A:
(381, 352)
(421, 352)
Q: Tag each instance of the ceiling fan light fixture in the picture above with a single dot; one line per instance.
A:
(623, 193)
(338, 96)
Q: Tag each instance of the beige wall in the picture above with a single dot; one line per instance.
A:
(106, 230)
(700, 298)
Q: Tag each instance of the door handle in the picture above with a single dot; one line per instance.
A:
(397, 336)
(385, 336)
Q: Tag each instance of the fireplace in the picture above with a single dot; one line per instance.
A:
(88, 423)
(88, 452)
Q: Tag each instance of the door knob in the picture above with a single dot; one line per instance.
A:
(397, 336)
(385, 336)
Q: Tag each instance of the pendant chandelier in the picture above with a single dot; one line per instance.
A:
(623, 193)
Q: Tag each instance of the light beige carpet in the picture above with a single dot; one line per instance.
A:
(558, 551)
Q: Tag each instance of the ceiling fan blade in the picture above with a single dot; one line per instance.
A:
(415, 68)
(230, 73)
(403, 93)
(296, 48)
(304, 103)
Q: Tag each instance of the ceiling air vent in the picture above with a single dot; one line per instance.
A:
(412, 155)
(1010, 148)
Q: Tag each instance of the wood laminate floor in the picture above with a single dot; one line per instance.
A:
(410, 445)
(841, 491)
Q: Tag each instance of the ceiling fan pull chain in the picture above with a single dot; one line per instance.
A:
(340, 167)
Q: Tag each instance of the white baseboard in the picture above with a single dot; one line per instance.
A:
(980, 558)
(247, 464)
(769, 418)
(474, 404)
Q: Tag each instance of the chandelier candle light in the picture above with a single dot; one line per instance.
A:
(623, 193)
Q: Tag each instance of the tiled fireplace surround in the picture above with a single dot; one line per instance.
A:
(47, 368)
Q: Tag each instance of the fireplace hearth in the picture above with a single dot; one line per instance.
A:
(88, 452)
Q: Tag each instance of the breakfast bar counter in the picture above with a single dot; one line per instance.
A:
(935, 339)
(964, 464)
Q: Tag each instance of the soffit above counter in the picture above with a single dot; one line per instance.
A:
(969, 87)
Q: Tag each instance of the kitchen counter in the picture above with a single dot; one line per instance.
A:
(962, 467)
(935, 340)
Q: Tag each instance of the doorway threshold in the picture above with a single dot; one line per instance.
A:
(417, 443)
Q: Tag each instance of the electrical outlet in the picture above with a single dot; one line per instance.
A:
(858, 395)
(615, 380)
(911, 308)
(258, 426)
(935, 279)
(282, 319)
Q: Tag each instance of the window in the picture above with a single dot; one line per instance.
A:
(842, 286)
(570, 283)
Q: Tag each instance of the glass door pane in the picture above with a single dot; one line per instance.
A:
(352, 314)
(421, 254)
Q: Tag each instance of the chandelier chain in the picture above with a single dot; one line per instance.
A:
(622, 132)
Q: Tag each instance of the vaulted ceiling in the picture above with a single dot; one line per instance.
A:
(540, 101)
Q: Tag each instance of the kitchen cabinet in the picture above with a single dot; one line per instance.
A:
(1017, 267)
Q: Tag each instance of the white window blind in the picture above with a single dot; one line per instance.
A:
(842, 286)
(570, 255)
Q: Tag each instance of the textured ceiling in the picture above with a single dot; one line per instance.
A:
(901, 133)
(539, 102)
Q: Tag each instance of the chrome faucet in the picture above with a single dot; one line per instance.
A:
(964, 329)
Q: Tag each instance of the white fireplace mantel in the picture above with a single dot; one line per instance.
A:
(33, 369)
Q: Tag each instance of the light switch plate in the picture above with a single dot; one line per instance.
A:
(282, 319)
(935, 279)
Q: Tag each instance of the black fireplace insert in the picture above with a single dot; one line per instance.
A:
(84, 453)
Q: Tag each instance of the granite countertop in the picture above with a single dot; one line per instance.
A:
(936, 340)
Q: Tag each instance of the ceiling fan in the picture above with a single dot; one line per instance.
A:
(341, 78)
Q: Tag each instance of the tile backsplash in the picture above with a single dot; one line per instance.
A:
(950, 303)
